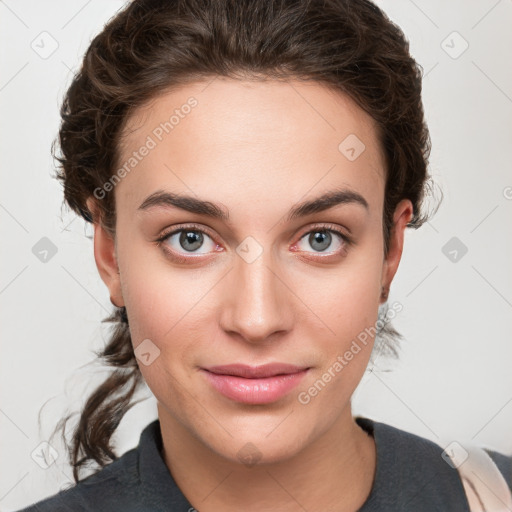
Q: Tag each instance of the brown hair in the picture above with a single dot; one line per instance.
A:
(152, 46)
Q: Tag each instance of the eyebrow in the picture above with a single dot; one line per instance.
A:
(328, 200)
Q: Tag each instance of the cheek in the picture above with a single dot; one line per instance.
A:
(170, 307)
(345, 299)
(162, 310)
(158, 295)
(344, 355)
(164, 306)
(348, 304)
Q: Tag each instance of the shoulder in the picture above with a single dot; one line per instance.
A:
(504, 463)
(411, 473)
(115, 487)
(138, 481)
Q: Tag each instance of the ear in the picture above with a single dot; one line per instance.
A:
(105, 257)
(403, 214)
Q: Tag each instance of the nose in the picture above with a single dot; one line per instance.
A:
(257, 302)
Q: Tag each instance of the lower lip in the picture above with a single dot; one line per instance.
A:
(254, 391)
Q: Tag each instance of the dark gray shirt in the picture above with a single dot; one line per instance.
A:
(411, 475)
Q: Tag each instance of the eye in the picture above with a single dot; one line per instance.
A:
(324, 239)
(187, 241)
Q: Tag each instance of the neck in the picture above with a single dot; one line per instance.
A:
(334, 472)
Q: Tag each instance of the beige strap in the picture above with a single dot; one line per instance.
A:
(486, 488)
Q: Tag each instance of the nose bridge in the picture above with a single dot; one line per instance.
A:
(256, 297)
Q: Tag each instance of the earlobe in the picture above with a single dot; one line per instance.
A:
(402, 216)
(106, 260)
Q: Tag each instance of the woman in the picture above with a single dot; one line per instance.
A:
(250, 169)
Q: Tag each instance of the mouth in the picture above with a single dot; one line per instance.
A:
(255, 384)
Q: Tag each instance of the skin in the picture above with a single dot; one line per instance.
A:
(257, 149)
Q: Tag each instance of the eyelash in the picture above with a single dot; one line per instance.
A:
(347, 241)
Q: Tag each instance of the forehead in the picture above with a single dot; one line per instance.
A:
(263, 141)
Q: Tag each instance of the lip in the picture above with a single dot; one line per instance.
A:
(254, 384)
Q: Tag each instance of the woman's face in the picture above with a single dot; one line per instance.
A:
(258, 279)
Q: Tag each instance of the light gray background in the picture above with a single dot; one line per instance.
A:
(453, 380)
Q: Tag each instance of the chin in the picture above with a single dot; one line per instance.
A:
(255, 446)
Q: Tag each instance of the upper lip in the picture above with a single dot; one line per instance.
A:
(255, 372)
